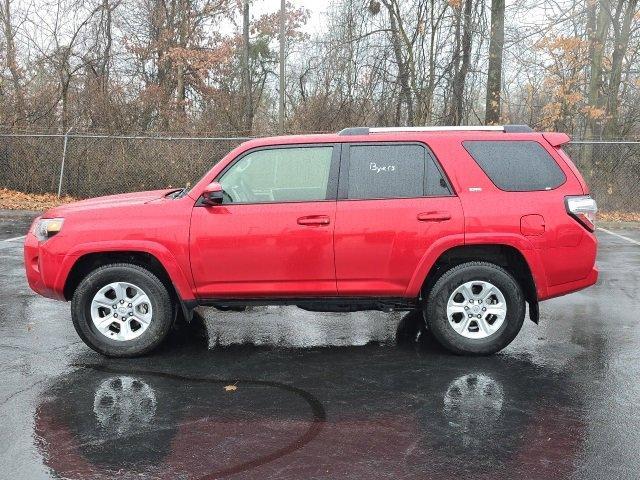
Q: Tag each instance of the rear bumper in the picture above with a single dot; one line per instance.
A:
(570, 265)
(570, 287)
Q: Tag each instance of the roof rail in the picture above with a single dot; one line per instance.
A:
(462, 128)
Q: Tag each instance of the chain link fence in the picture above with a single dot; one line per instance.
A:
(612, 171)
(93, 165)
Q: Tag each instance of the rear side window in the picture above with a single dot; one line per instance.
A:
(393, 171)
(516, 166)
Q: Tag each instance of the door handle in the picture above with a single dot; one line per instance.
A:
(434, 216)
(314, 220)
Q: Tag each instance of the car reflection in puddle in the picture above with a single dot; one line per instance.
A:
(123, 404)
(400, 410)
(287, 326)
(154, 425)
(473, 404)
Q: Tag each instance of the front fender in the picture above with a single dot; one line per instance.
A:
(182, 281)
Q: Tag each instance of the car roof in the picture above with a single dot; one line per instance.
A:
(371, 134)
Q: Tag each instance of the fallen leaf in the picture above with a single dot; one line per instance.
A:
(230, 388)
(14, 200)
(615, 216)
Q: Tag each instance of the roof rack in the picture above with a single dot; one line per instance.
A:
(463, 128)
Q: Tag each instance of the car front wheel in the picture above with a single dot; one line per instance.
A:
(122, 310)
(476, 308)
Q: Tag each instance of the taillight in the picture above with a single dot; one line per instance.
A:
(583, 208)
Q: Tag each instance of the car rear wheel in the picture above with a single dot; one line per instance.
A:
(122, 310)
(476, 308)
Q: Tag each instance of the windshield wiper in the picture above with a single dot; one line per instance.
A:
(177, 193)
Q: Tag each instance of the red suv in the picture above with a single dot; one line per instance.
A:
(464, 224)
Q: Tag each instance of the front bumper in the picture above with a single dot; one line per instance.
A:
(42, 268)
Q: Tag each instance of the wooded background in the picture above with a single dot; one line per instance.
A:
(203, 66)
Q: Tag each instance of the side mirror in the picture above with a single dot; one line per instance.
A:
(212, 194)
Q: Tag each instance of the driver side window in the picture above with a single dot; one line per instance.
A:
(299, 174)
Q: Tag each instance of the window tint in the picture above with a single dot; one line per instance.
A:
(393, 171)
(435, 184)
(518, 166)
(386, 171)
(279, 175)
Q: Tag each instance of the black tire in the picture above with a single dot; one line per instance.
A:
(162, 310)
(435, 310)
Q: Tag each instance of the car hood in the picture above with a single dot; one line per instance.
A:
(110, 201)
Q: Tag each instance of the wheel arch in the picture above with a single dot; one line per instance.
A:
(144, 253)
(90, 261)
(507, 256)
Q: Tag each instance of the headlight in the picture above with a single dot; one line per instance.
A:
(46, 228)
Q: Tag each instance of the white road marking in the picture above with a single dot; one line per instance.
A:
(619, 236)
(14, 238)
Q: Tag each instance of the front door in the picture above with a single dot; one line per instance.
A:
(273, 233)
(394, 202)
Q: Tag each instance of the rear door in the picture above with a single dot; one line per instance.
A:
(393, 202)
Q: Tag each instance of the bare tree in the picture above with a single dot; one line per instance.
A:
(461, 61)
(494, 72)
(600, 10)
(204, 65)
(247, 94)
(9, 33)
(622, 32)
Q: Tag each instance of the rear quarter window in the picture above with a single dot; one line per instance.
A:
(516, 166)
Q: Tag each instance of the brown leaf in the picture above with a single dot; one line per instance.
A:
(14, 200)
(614, 216)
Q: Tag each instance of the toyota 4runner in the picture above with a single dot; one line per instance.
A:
(463, 224)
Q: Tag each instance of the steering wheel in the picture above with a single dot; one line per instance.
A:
(240, 192)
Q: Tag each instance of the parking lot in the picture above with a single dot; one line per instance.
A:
(289, 394)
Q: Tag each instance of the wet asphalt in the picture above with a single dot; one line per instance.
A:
(288, 394)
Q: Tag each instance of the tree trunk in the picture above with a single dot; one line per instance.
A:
(64, 96)
(281, 59)
(622, 35)
(597, 41)
(247, 98)
(461, 75)
(101, 112)
(431, 84)
(106, 54)
(494, 73)
(183, 39)
(12, 64)
(454, 66)
(405, 96)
